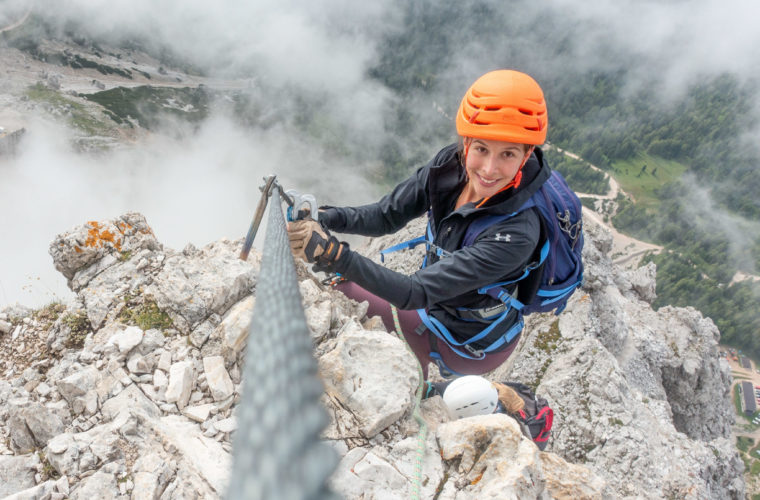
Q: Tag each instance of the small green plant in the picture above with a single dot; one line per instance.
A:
(49, 313)
(125, 255)
(616, 422)
(146, 315)
(79, 324)
(48, 471)
(548, 340)
(540, 375)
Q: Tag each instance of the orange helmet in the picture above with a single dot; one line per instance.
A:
(504, 105)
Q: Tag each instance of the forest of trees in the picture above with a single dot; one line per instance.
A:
(704, 134)
(577, 173)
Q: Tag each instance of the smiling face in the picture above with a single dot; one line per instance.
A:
(491, 165)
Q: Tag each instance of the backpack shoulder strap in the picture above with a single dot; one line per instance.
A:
(482, 223)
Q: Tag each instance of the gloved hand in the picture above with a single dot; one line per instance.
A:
(308, 241)
(509, 398)
(329, 217)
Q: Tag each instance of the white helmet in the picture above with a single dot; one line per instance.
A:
(469, 396)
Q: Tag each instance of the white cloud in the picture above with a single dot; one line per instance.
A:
(197, 188)
(204, 186)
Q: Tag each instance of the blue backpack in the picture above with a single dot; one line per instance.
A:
(559, 263)
(561, 213)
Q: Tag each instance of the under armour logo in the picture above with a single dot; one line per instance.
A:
(506, 238)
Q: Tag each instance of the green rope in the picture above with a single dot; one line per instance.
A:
(422, 436)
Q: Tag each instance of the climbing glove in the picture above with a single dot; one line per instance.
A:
(308, 241)
(329, 217)
(509, 398)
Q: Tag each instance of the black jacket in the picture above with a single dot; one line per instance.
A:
(450, 282)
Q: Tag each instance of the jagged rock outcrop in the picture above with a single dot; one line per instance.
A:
(641, 395)
(131, 389)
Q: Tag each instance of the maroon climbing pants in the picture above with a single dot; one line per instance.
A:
(410, 323)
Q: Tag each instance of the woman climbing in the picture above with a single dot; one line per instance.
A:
(484, 180)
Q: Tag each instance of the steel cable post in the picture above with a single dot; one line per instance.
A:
(277, 451)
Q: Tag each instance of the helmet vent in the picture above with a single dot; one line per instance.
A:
(525, 111)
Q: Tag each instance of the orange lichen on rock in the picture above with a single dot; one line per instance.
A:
(77, 249)
(477, 479)
(97, 238)
(123, 227)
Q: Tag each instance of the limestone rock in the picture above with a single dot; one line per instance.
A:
(193, 285)
(63, 453)
(204, 456)
(139, 364)
(78, 388)
(232, 332)
(41, 491)
(203, 331)
(319, 319)
(152, 340)
(642, 401)
(101, 485)
(127, 339)
(40, 422)
(151, 475)
(131, 400)
(404, 456)
(16, 474)
(372, 374)
(21, 439)
(571, 481)
(198, 413)
(364, 474)
(180, 383)
(647, 378)
(226, 425)
(494, 459)
(160, 380)
(88, 245)
(219, 382)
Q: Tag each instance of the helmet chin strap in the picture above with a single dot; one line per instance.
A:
(467, 142)
(517, 179)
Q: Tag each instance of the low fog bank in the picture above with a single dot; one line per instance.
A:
(335, 101)
(196, 188)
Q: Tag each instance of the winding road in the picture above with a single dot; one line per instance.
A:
(630, 249)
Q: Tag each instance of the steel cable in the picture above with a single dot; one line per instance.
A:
(277, 452)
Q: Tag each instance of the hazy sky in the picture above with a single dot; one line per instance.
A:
(203, 186)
